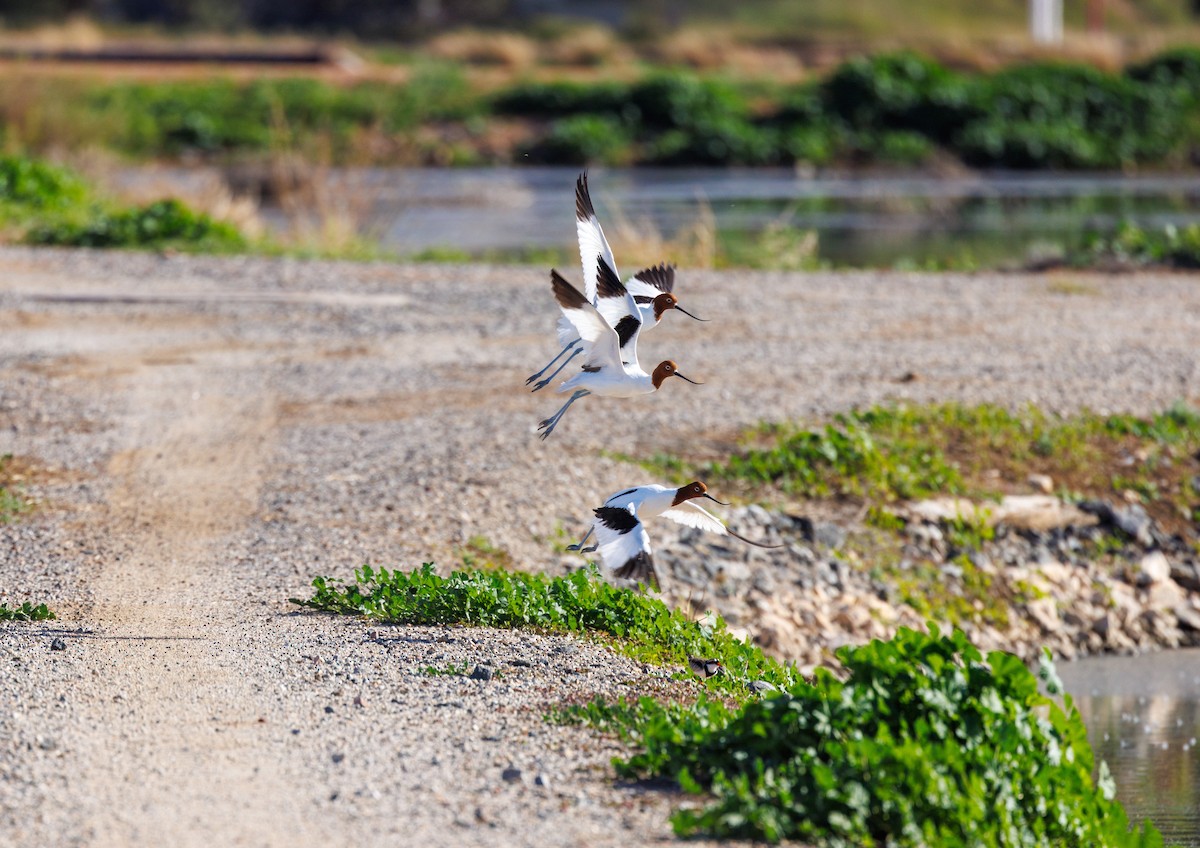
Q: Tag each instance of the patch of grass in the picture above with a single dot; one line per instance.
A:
(49, 205)
(883, 454)
(448, 670)
(161, 224)
(866, 455)
(969, 596)
(580, 603)
(970, 532)
(1171, 246)
(479, 553)
(12, 503)
(26, 612)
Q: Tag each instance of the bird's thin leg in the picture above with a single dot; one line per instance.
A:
(547, 426)
(541, 384)
(551, 362)
(579, 545)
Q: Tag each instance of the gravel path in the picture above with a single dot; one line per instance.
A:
(215, 432)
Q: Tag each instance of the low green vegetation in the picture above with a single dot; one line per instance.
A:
(899, 108)
(919, 740)
(163, 223)
(449, 670)
(481, 554)
(12, 503)
(924, 742)
(26, 612)
(580, 603)
(45, 204)
(1174, 247)
(215, 117)
(889, 453)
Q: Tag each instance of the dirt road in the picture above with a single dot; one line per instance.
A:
(213, 433)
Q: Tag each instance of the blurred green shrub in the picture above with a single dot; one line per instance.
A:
(583, 139)
(163, 223)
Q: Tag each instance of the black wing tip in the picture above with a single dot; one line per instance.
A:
(583, 199)
(661, 276)
(639, 568)
(608, 284)
(567, 295)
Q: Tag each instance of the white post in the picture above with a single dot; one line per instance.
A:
(1046, 21)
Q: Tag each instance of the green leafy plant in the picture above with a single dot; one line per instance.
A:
(921, 740)
(579, 603)
(26, 612)
(11, 501)
(448, 670)
(163, 223)
(924, 742)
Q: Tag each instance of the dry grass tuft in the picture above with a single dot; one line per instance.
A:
(641, 243)
(724, 50)
(586, 47)
(473, 47)
(75, 33)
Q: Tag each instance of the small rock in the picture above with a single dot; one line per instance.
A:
(1155, 567)
(511, 775)
(542, 780)
(1165, 595)
(1187, 575)
(1045, 613)
(337, 758)
(1188, 618)
(329, 709)
(58, 644)
(1043, 483)
(829, 534)
(482, 672)
(1134, 522)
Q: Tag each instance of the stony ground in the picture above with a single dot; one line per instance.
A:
(212, 433)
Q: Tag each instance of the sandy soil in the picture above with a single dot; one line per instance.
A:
(213, 433)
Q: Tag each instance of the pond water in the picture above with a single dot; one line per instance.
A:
(872, 220)
(859, 221)
(1143, 718)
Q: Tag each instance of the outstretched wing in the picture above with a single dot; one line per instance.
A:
(625, 545)
(692, 515)
(617, 306)
(592, 242)
(649, 283)
(600, 346)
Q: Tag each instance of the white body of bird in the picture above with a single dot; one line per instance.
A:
(620, 526)
(602, 339)
(650, 289)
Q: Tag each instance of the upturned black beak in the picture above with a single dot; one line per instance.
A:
(711, 498)
(690, 380)
(690, 315)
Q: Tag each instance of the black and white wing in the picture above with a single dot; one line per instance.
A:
(649, 283)
(625, 545)
(617, 306)
(592, 242)
(600, 346)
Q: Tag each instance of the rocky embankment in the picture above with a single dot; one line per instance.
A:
(1080, 579)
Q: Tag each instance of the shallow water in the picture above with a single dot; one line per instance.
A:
(1143, 718)
(874, 221)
